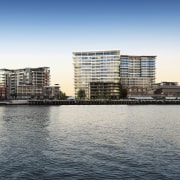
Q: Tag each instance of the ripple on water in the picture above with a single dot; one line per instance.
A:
(89, 142)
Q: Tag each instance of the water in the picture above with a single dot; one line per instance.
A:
(90, 142)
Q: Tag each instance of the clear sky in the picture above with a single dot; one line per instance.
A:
(37, 33)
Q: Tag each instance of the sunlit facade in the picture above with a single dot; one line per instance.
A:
(137, 71)
(98, 69)
(104, 73)
(23, 83)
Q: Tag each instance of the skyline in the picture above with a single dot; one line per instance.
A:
(36, 33)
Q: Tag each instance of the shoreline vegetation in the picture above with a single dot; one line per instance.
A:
(93, 102)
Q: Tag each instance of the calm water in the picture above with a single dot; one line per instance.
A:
(90, 142)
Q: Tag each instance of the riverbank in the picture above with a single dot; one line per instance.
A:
(91, 102)
(103, 102)
(14, 102)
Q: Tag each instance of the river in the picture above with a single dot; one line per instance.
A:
(90, 142)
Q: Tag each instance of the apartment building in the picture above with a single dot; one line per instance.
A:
(3, 84)
(166, 89)
(97, 72)
(104, 73)
(137, 73)
(23, 83)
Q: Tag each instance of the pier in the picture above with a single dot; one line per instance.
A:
(104, 102)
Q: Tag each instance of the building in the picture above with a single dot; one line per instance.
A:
(3, 84)
(96, 72)
(104, 73)
(104, 90)
(166, 89)
(137, 73)
(23, 83)
(51, 92)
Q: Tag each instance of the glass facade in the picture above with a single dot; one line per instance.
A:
(95, 66)
(96, 71)
(137, 71)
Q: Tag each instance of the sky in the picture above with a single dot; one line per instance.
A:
(38, 33)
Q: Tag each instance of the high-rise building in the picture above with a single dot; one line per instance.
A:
(23, 83)
(97, 73)
(103, 73)
(137, 71)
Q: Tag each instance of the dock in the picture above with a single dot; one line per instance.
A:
(104, 102)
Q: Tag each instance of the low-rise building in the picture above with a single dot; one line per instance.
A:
(51, 92)
(167, 89)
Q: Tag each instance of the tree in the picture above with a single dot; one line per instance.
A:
(62, 95)
(81, 94)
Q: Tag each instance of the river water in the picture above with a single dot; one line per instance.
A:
(90, 142)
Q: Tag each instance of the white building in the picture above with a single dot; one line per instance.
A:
(102, 73)
(97, 73)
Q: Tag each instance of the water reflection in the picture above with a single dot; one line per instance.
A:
(96, 142)
(25, 137)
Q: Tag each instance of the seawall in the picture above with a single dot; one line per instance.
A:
(103, 102)
(92, 102)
